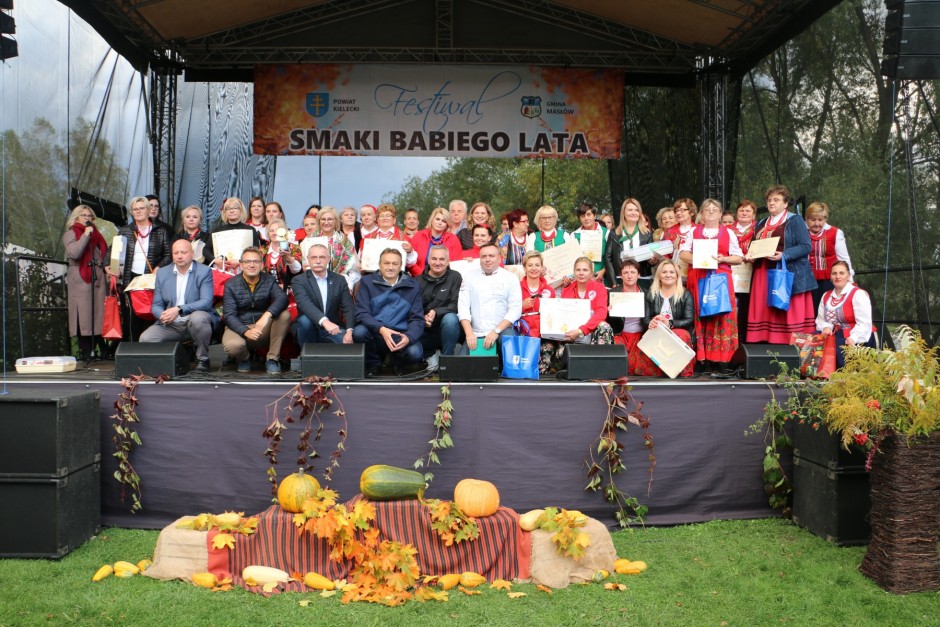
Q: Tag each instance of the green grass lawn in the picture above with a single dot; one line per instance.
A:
(754, 572)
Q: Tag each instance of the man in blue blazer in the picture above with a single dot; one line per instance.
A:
(315, 322)
(182, 304)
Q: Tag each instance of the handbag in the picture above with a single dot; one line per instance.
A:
(521, 357)
(779, 286)
(111, 322)
(713, 294)
(219, 279)
(142, 303)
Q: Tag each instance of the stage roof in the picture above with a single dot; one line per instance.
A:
(656, 42)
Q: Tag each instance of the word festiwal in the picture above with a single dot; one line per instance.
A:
(438, 110)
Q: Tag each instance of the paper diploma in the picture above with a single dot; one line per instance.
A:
(146, 281)
(559, 261)
(666, 350)
(741, 275)
(230, 244)
(592, 244)
(560, 315)
(626, 304)
(762, 247)
(372, 250)
(704, 252)
(118, 247)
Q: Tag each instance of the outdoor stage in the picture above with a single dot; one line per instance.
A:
(203, 448)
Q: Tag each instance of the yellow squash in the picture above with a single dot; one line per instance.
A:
(471, 580)
(449, 581)
(530, 520)
(318, 582)
(205, 580)
(101, 573)
(264, 574)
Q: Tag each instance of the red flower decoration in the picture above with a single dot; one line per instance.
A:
(873, 404)
(861, 438)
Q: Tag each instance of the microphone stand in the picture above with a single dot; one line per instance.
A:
(93, 354)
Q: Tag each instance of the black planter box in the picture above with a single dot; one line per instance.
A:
(48, 434)
(833, 504)
(49, 518)
(823, 448)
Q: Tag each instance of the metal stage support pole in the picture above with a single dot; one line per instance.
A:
(713, 135)
(163, 105)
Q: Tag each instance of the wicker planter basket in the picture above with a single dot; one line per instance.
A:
(904, 553)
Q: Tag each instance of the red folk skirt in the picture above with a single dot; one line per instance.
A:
(771, 325)
(717, 335)
(639, 364)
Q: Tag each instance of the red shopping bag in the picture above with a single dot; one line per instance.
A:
(219, 279)
(142, 303)
(111, 324)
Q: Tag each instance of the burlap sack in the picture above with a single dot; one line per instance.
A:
(557, 571)
(180, 553)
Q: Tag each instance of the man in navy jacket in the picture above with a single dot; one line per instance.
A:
(389, 315)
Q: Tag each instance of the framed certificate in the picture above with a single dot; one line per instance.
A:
(372, 250)
(559, 261)
(762, 247)
(704, 252)
(626, 304)
(741, 276)
(560, 315)
(666, 350)
(230, 244)
(592, 244)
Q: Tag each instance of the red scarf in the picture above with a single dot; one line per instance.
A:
(95, 241)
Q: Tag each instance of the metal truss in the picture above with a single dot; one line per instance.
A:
(444, 24)
(163, 137)
(712, 137)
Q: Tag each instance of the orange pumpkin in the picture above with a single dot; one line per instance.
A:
(476, 498)
(295, 489)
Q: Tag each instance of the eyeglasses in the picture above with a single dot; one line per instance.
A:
(250, 261)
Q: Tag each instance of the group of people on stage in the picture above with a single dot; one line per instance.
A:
(413, 306)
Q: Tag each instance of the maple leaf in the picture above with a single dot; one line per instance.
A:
(467, 591)
(614, 586)
(429, 579)
(249, 525)
(430, 594)
(515, 595)
(544, 589)
(364, 510)
(501, 584)
(223, 540)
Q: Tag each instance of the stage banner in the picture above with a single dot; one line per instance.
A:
(442, 111)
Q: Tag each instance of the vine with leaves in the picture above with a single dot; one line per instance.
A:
(126, 438)
(443, 418)
(605, 454)
(312, 397)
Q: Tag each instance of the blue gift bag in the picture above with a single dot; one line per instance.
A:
(779, 286)
(713, 295)
(521, 357)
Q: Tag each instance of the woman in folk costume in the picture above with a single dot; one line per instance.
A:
(744, 229)
(685, 211)
(845, 312)
(634, 232)
(282, 257)
(343, 257)
(535, 289)
(607, 266)
(766, 323)
(718, 334)
(549, 234)
(512, 245)
(628, 331)
(828, 246)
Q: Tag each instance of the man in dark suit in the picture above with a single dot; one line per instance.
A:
(325, 310)
(182, 304)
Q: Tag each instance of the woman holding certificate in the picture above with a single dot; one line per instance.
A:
(669, 304)
(713, 247)
(772, 324)
(599, 245)
(845, 312)
(234, 216)
(633, 232)
(627, 329)
(535, 289)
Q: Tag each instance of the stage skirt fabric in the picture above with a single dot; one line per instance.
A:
(771, 325)
(717, 335)
(502, 551)
(639, 364)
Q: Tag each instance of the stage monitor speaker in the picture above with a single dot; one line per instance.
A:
(150, 358)
(912, 40)
(343, 362)
(759, 359)
(469, 369)
(64, 432)
(49, 517)
(587, 362)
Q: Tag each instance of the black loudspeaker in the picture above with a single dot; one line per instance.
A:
(912, 40)
(344, 362)
(467, 368)
(150, 358)
(49, 517)
(587, 362)
(832, 503)
(48, 435)
(759, 358)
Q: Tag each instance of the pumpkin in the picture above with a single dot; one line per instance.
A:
(476, 498)
(388, 483)
(295, 489)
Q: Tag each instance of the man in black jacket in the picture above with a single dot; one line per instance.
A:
(325, 309)
(440, 287)
(256, 313)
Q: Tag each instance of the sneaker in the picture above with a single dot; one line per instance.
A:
(273, 366)
(244, 366)
(202, 365)
(434, 361)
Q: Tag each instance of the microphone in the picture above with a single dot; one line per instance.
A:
(88, 223)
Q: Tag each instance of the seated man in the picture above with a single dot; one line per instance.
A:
(182, 304)
(440, 288)
(389, 315)
(490, 301)
(256, 315)
(325, 310)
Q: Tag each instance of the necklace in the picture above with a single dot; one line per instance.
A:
(835, 301)
(516, 240)
(547, 236)
(140, 232)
